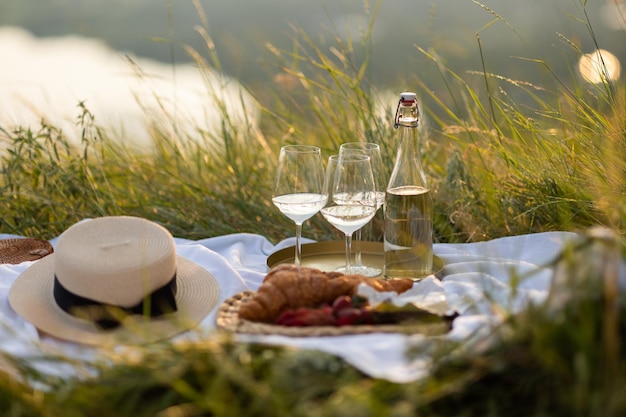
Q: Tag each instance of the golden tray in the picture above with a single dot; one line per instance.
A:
(328, 256)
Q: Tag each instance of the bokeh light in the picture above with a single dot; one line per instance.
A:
(599, 66)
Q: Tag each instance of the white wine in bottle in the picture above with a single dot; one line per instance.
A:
(408, 239)
(408, 232)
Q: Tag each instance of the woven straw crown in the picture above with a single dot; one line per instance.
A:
(117, 263)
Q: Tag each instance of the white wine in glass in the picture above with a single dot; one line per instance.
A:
(380, 180)
(298, 187)
(351, 196)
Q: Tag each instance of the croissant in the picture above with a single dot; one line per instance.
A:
(288, 287)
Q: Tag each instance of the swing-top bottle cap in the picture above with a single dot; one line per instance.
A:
(408, 97)
(407, 110)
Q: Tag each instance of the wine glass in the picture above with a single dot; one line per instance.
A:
(299, 186)
(380, 181)
(351, 196)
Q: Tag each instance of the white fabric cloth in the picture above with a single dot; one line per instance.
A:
(476, 283)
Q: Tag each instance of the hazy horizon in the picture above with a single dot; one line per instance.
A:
(156, 32)
(241, 29)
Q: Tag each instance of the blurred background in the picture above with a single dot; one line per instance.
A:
(48, 48)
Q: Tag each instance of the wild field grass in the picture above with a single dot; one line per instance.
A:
(554, 160)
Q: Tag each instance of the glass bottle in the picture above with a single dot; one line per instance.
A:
(408, 203)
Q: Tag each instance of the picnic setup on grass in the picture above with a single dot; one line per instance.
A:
(109, 285)
(214, 277)
(116, 281)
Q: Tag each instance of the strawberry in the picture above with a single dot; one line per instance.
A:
(341, 302)
(307, 317)
(343, 311)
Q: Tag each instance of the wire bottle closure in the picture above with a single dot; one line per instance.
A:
(411, 104)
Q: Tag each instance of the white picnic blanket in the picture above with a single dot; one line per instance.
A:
(475, 284)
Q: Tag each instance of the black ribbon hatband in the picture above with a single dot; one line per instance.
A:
(161, 301)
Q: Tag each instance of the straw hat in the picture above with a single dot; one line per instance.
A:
(114, 280)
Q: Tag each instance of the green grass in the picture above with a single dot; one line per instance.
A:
(504, 157)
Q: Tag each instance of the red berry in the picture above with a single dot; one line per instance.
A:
(342, 302)
(348, 312)
(353, 316)
(307, 317)
(366, 317)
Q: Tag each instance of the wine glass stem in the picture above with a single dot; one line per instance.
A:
(348, 250)
(298, 245)
(357, 253)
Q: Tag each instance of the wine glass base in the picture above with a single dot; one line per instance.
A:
(364, 270)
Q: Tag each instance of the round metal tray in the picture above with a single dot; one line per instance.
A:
(328, 256)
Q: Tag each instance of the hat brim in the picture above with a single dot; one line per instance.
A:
(31, 296)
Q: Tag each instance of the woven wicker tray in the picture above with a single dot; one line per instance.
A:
(18, 250)
(228, 320)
